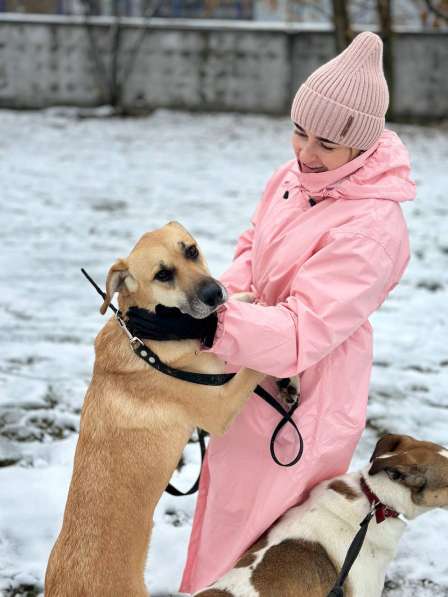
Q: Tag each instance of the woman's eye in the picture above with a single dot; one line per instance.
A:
(164, 275)
(299, 134)
(328, 148)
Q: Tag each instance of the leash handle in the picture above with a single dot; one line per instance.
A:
(286, 418)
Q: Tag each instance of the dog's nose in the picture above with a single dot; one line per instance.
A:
(211, 293)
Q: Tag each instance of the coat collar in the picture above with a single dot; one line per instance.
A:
(381, 172)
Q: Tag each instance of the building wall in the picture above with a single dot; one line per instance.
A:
(195, 65)
(224, 9)
(32, 6)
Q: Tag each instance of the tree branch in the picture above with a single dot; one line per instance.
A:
(435, 10)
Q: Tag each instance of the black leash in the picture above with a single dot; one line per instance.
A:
(176, 492)
(99, 291)
(381, 512)
(287, 418)
(352, 554)
(151, 358)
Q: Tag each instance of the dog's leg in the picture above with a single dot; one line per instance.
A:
(225, 402)
(214, 408)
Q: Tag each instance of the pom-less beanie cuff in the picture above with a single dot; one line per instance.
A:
(334, 121)
(346, 99)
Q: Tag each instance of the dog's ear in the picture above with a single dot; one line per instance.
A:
(390, 456)
(117, 278)
(179, 225)
(391, 443)
(402, 467)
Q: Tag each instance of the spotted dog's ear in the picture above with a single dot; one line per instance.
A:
(391, 443)
(402, 467)
(118, 278)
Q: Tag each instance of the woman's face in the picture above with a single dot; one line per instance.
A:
(319, 155)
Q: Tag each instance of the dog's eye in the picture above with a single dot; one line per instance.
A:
(164, 275)
(192, 252)
(393, 474)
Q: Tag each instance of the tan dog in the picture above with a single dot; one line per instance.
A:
(136, 421)
(302, 554)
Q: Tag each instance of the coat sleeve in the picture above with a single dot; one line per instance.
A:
(332, 295)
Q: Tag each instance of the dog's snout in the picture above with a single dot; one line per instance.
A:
(211, 293)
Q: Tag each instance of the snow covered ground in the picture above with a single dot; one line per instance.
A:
(78, 192)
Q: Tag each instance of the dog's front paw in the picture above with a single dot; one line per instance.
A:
(245, 297)
(289, 389)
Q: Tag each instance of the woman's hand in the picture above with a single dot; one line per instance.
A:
(245, 297)
(168, 323)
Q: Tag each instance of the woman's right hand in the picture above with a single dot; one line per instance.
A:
(245, 297)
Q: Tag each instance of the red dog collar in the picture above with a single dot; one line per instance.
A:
(381, 510)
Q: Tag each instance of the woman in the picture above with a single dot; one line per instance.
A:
(328, 242)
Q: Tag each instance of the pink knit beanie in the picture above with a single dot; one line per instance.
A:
(346, 99)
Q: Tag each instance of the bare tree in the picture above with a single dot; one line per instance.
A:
(342, 27)
(339, 15)
(111, 81)
(91, 7)
(115, 86)
(438, 8)
(384, 9)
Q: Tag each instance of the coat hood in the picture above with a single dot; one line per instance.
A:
(381, 172)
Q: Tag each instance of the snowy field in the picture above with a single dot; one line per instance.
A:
(78, 192)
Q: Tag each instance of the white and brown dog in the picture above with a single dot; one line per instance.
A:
(301, 555)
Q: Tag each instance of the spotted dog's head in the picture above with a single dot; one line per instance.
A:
(420, 466)
(165, 267)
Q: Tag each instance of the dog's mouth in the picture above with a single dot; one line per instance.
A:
(205, 302)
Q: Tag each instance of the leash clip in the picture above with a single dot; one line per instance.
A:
(133, 340)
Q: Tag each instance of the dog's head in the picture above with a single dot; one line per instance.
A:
(165, 267)
(420, 466)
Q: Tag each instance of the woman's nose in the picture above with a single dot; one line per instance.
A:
(307, 153)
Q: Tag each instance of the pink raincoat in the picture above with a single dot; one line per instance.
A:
(318, 272)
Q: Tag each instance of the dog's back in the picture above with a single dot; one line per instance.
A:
(304, 551)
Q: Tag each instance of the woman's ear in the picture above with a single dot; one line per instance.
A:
(117, 277)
